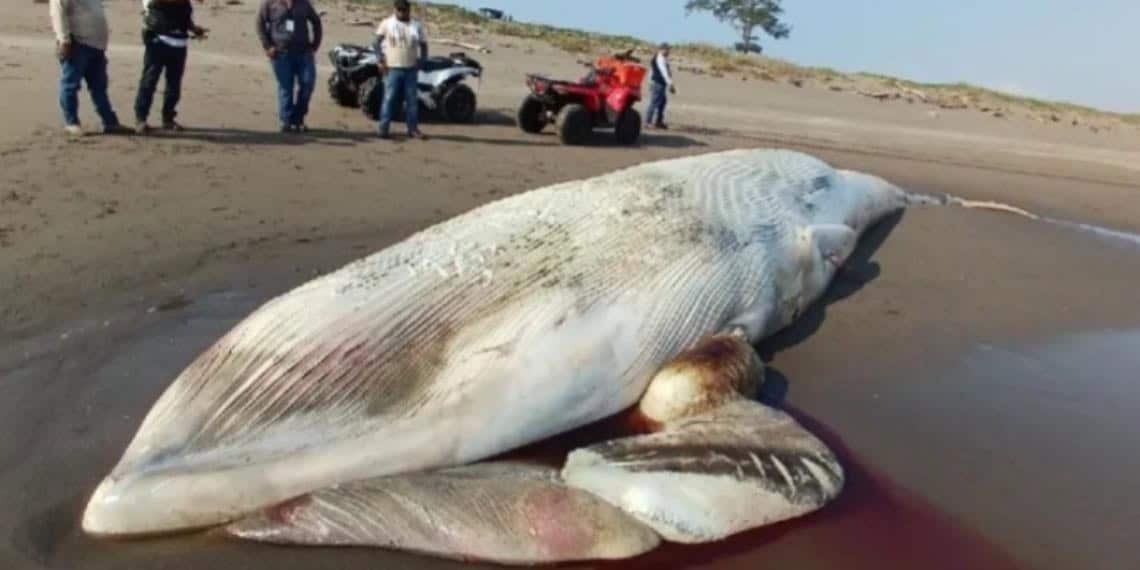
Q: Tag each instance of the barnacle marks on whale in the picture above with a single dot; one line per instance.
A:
(521, 319)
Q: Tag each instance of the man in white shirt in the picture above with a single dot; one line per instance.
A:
(661, 79)
(402, 44)
(81, 36)
(168, 26)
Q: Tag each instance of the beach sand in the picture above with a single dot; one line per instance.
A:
(975, 370)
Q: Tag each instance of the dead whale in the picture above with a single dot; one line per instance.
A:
(522, 319)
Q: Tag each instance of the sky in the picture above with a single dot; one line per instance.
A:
(1085, 52)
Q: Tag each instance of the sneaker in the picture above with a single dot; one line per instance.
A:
(172, 125)
(662, 126)
(73, 131)
(141, 128)
(417, 135)
(117, 130)
(301, 128)
(286, 128)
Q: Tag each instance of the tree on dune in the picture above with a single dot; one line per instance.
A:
(746, 16)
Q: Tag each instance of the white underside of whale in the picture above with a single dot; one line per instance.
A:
(519, 320)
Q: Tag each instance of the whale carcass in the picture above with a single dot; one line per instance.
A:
(531, 316)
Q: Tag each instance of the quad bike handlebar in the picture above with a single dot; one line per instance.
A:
(607, 61)
(626, 56)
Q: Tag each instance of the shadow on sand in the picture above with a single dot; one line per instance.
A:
(859, 271)
(365, 133)
(234, 136)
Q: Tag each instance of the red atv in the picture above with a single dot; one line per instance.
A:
(604, 98)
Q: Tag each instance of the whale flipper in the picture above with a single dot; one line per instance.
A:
(507, 512)
(708, 476)
(719, 463)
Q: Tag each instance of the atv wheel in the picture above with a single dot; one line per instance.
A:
(532, 115)
(627, 129)
(370, 95)
(574, 125)
(341, 91)
(458, 104)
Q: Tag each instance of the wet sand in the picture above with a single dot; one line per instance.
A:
(982, 409)
(975, 370)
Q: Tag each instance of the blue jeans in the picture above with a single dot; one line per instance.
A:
(657, 100)
(296, 75)
(401, 84)
(89, 65)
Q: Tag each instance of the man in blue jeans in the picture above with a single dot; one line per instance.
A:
(290, 32)
(402, 44)
(81, 36)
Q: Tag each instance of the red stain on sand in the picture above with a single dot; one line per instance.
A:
(873, 524)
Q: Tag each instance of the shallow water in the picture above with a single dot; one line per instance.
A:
(1040, 441)
(1105, 233)
(1100, 231)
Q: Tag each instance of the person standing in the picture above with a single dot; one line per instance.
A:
(81, 37)
(167, 28)
(402, 45)
(290, 33)
(662, 79)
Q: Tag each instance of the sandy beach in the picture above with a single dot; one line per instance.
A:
(976, 370)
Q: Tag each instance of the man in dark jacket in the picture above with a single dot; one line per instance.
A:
(284, 29)
(661, 80)
(167, 28)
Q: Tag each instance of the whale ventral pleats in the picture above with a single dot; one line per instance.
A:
(508, 512)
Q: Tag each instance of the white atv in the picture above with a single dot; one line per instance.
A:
(356, 82)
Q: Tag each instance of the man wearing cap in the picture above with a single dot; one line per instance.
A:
(402, 45)
(662, 79)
